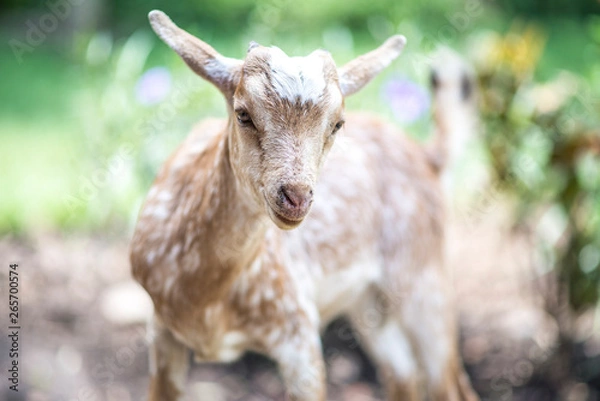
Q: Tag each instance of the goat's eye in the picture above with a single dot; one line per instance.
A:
(338, 126)
(244, 118)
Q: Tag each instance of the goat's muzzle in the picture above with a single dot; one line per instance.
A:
(292, 204)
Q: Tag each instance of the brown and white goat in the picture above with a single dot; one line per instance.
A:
(257, 231)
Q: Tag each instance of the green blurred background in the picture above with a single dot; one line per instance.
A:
(70, 69)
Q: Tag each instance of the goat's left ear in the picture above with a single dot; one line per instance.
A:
(223, 72)
(358, 72)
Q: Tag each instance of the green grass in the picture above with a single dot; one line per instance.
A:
(569, 46)
(38, 162)
(38, 88)
(38, 139)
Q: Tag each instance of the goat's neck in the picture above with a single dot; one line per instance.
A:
(234, 227)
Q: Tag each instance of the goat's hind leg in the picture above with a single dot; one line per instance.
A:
(427, 312)
(169, 364)
(299, 355)
(386, 342)
(455, 384)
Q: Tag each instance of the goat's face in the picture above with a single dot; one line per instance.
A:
(284, 112)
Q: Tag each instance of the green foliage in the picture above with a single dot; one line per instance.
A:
(544, 145)
(533, 8)
(49, 98)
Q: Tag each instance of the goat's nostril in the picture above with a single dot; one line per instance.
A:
(289, 196)
(295, 196)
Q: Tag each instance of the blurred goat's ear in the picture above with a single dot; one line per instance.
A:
(358, 72)
(252, 45)
(205, 61)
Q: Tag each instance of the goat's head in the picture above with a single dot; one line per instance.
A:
(284, 112)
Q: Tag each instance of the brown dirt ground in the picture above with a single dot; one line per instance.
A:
(75, 346)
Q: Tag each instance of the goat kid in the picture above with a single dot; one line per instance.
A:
(215, 249)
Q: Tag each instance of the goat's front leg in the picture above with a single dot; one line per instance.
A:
(169, 363)
(300, 360)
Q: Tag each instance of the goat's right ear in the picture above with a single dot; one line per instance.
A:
(205, 61)
(358, 72)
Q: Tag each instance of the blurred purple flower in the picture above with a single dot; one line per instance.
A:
(153, 86)
(408, 100)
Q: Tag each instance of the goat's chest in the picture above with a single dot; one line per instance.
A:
(251, 315)
(335, 267)
(338, 291)
(220, 344)
(216, 333)
(210, 331)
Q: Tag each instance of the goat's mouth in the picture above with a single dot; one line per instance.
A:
(289, 223)
(283, 221)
